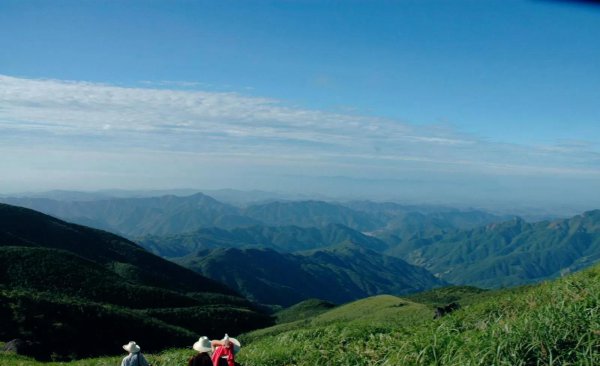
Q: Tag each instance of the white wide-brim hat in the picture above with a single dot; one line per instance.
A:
(203, 345)
(131, 347)
(236, 345)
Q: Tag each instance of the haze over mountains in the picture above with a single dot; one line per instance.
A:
(471, 247)
(172, 214)
(239, 258)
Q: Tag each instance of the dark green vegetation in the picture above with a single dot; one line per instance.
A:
(509, 253)
(553, 323)
(446, 295)
(338, 274)
(67, 286)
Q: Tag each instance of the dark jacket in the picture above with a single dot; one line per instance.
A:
(201, 359)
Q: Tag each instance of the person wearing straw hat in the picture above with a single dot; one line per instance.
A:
(225, 351)
(135, 357)
(202, 358)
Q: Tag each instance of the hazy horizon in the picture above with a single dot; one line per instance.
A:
(484, 104)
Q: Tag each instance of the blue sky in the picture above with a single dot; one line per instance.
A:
(441, 101)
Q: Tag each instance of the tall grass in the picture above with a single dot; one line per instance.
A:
(555, 323)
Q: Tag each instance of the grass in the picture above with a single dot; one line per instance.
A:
(303, 310)
(554, 323)
(464, 295)
(379, 311)
(167, 358)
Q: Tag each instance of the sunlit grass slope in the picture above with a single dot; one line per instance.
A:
(554, 323)
(303, 310)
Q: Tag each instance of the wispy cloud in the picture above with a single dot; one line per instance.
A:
(103, 117)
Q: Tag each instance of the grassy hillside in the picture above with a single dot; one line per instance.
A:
(59, 281)
(446, 295)
(66, 326)
(303, 310)
(554, 323)
(338, 274)
(373, 312)
(23, 227)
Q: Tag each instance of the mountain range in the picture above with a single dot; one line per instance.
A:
(285, 239)
(140, 216)
(509, 253)
(460, 247)
(170, 215)
(469, 247)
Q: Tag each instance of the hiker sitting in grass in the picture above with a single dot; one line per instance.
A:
(202, 358)
(135, 357)
(224, 351)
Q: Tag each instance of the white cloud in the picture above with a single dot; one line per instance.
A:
(84, 116)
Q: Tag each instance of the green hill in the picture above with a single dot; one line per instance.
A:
(553, 323)
(446, 295)
(303, 310)
(510, 253)
(375, 312)
(62, 280)
(339, 274)
(24, 227)
(58, 271)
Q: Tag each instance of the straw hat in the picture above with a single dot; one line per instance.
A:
(236, 345)
(131, 347)
(203, 345)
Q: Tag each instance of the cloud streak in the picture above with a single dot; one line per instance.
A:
(79, 107)
(251, 131)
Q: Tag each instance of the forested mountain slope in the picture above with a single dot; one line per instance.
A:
(60, 280)
(510, 253)
(338, 274)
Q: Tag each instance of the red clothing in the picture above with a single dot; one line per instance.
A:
(224, 351)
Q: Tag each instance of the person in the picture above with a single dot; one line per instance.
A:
(135, 357)
(224, 351)
(202, 358)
